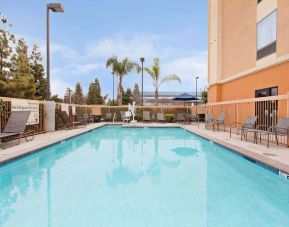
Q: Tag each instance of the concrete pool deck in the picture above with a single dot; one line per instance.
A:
(276, 156)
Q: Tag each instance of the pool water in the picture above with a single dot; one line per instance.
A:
(154, 177)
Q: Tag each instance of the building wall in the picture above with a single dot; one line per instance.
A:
(234, 71)
(283, 28)
(239, 36)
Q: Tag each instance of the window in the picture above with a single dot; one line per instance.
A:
(266, 35)
(272, 91)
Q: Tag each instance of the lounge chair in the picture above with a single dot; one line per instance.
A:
(249, 126)
(161, 117)
(281, 129)
(181, 118)
(218, 122)
(15, 128)
(208, 121)
(68, 123)
(146, 116)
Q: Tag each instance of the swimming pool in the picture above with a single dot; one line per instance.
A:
(116, 176)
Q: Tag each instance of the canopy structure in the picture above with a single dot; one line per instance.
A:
(185, 97)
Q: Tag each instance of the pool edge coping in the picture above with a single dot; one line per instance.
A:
(267, 162)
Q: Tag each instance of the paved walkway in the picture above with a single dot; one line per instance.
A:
(275, 156)
(42, 140)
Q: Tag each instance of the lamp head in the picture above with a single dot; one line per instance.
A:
(55, 7)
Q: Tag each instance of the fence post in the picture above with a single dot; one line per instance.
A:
(287, 114)
(49, 114)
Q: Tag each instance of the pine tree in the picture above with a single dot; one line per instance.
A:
(94, 96)
(68, 95)
(127, 97)
(136, 94)
(78, 97)
(22, 83)
(37, 71)
(7, 40)
(55, 98)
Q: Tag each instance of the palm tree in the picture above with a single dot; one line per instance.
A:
(121, 68)
(154, 72)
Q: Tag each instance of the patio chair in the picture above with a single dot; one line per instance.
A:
(88, 118)
(208, 121)
(218, 122)
(161, 117)
(68, 123)
(181, 118)
(15, 128)
(146, 116)
(249, 126)
(126, 117)
(108, 117)
(122, 115)
(281, 129)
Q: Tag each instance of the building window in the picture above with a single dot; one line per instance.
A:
(272, 91)
(266, 35)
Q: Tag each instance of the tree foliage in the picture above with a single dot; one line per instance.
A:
(136, 95)
(120, 68)
(127, 97)
(154, 72)
(94, 96)
(68, 95)
(37, 71)
(21, 76)
(55, 98)
(21, 84)
(78, 97)
(204, 96)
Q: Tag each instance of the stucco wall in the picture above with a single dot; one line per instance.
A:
(239, 36)
(283, 28)
(245, 87)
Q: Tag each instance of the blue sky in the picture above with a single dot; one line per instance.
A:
(91, 31)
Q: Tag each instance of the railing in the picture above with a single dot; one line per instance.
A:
(268, 110)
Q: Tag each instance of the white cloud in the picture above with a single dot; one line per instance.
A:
(63, 51)
(59, 86)
(188, 68)
(86, 68)
(134, 47)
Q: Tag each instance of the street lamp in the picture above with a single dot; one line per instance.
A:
(197, 94)
(112, 88)
(56, 8)
(142, 61)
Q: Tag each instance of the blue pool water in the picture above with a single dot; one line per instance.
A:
(138, 177)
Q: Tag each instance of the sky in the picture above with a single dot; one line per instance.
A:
(90, 31)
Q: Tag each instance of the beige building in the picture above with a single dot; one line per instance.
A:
(248, 49)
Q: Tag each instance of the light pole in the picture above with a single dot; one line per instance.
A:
(112, 88)
(197, 94)
(56, 8)
(142, 61)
